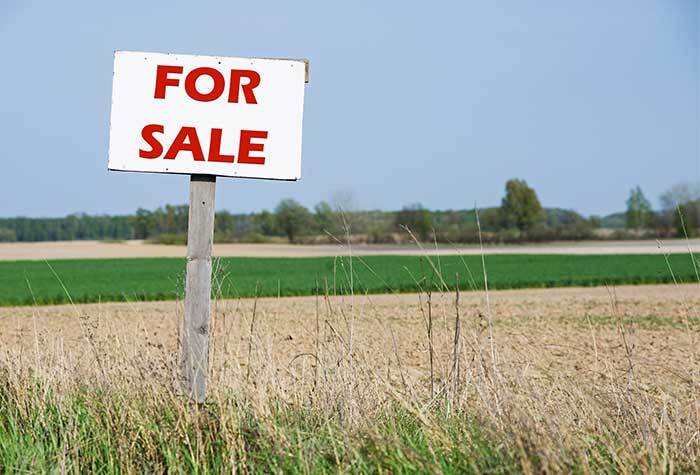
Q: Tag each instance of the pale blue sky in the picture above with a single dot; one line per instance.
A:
(431, 102)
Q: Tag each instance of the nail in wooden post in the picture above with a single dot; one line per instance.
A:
(195, 335)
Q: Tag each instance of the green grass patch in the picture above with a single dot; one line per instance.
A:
(91, 432)
(94, 280)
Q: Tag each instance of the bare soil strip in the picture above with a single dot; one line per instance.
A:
(571, 331)
(99, 250)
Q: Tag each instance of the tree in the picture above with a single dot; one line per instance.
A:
(415, 218)
(639, 214)
(344, 201)
(224, 226)
(521, 207)
(686, 218)
(7, 235)
(595, 221)
(292, 218)
(326, 218)
(679, 194)
(142, 223)
(265, 223)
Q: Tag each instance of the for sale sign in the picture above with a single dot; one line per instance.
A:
(207, 115)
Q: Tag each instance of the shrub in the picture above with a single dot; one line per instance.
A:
(168, 238)
(7, 235)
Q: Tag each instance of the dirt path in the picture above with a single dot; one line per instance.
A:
(97, 250)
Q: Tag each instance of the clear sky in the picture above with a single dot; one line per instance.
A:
(431, 102)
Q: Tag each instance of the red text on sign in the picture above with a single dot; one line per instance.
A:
(187, 140)
(169, 76)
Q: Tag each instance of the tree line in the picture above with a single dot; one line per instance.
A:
(519, 218)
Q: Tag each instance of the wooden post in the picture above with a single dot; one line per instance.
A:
(195, 335)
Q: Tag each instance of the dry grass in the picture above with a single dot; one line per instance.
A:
(570, 380)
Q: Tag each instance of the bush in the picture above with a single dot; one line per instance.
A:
(377, 234)
(687, 217)
(168, 238)
(417, 219)
(574, 232)
(256, 238)
(7, 235)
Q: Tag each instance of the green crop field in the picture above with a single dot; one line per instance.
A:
(29, 282)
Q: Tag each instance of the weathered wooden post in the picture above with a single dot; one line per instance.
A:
(205, 116)
(195, 335)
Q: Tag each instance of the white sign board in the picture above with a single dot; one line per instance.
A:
(207, 115)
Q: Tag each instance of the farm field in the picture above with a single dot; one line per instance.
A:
(537, 380)
(100, 280)
(224, 251)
